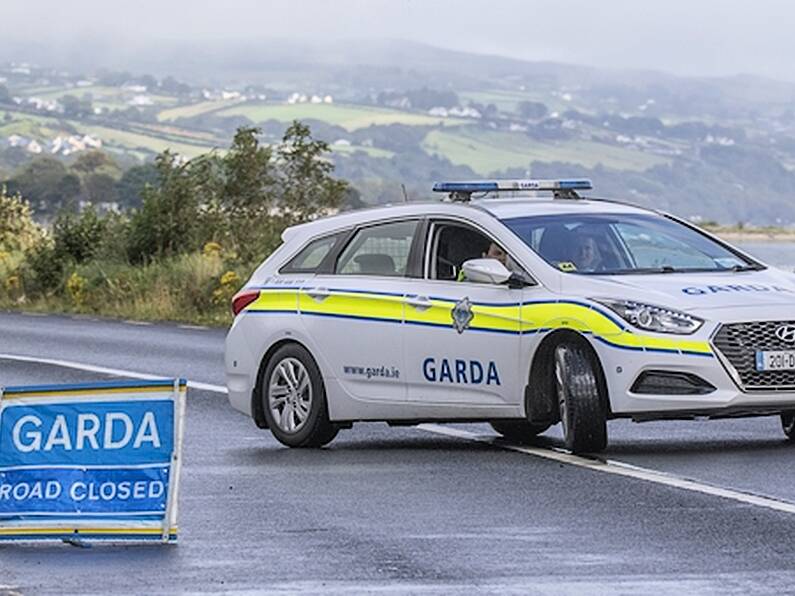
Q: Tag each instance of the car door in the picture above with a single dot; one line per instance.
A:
(462, 338)
(354, 312)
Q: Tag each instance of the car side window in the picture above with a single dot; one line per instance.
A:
(309, 259)
(381, 249)
(452, 244)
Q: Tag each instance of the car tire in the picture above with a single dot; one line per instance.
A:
(294, 399)
(788, 424)
(519, 431)
(582, 412)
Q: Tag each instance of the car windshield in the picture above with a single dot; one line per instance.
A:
(611, 244)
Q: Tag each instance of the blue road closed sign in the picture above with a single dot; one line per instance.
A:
(94, 461)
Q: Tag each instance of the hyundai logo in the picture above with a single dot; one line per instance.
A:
(786, 333)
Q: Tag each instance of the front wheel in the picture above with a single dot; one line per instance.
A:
(788, 424)
(582, 413)
(294, 399)
(519, 431)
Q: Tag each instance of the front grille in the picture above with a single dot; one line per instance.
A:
(738, 344)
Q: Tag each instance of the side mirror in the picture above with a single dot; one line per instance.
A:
(486, 271)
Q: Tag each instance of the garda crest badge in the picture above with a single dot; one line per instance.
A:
(462, 314)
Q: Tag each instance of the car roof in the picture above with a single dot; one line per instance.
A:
(505, 208)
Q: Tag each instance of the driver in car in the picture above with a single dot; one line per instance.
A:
(494, 252)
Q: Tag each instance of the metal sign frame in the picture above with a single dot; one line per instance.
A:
(112, 525)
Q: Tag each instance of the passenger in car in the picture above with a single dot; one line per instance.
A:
(587, 256)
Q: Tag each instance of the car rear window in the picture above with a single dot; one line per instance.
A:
(309, 259)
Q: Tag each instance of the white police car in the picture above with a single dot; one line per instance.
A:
(520, 311)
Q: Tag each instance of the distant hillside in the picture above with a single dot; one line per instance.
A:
(399, 113)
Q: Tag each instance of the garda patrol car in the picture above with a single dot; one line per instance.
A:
(523, 311)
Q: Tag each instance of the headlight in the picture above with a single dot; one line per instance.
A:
(653, 318)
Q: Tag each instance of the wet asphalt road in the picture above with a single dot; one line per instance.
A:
(386, 509)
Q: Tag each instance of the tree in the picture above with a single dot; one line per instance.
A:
(46, 183)
(95, 162)
(307, 189)
(113, 78)
(248, 194)
(249, 174)
(5, 96)
(173, 86)
(131, 185)
(167, 223)
(101, 188)
(531, 110)
(74, 107)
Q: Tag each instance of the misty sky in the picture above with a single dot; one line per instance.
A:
(691, 37)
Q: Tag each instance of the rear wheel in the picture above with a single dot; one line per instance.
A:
(788, 424)
(582, 414)
(294, 399)
(519, 431)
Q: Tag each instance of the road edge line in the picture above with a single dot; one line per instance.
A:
(107, 371)
(618, 468)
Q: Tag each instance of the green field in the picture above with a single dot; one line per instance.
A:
(26, 125)
(348, 116)
(507, 101)
(132, 140)
(113, 98)
(194, 109)
(371, 151)
(491, 151)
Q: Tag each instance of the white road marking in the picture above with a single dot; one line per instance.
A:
(607, 466)
(107, 371)
(618, 468)
(140, 323)
(194, 327)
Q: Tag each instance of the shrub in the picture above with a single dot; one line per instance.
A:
(42, 270)
(76, 288)
(78, 237)
(18, 231)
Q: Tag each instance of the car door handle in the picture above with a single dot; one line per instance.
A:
(319, 294)
(419, 302)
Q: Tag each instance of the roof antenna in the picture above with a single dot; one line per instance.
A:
(405, 194)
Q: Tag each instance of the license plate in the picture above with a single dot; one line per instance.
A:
(775, 360)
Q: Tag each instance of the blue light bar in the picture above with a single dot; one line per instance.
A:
(513, 185)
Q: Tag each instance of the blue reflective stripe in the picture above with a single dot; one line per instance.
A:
(354, 317)
(376, 293)
(84, 536)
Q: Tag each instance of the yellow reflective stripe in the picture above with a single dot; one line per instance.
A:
(22, 530)
(584, 319)
(632, 340)
(498, 318)
(437, 314)
(270, 300)
(369, 306)
(503, 318)
(85, 391)
(567, 316)
(526, 318)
